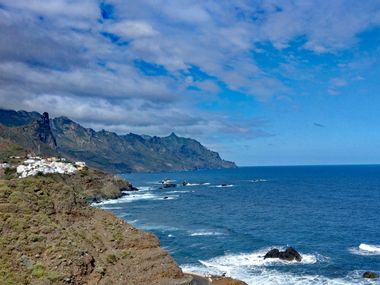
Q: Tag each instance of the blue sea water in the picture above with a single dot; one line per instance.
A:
(330, 214)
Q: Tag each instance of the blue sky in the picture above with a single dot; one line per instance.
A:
(261, 82)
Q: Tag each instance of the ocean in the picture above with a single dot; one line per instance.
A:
(330, 214)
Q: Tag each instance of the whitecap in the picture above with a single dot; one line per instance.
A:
(177, 191)
(365, 249)
(173, 197)
(157, 227)
(223, 186)
(258, 180)
(192, 184)
(205, 233)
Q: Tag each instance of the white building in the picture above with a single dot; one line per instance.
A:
(35, 165)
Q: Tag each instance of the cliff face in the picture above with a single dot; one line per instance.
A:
(132, 152)
(107, 150)
(42, 131)
(35, 137)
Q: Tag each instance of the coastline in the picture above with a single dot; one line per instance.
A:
(196, 279)
(223, 247)
(41, 213)
(50, 233)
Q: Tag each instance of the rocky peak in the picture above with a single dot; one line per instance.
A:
(43, 131)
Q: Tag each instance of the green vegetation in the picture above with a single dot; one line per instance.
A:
(9, 149)
(111, 258)
(9, 173)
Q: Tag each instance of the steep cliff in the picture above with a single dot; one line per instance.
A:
(36, 136)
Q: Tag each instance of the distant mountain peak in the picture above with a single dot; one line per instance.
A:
(107, 150)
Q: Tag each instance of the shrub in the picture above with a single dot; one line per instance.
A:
(38, 270)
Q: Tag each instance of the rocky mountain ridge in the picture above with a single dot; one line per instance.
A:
(106, 150)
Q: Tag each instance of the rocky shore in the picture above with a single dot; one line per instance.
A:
(49, 234)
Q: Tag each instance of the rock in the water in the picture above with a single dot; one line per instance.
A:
(129, 188)
(370, 275)
(289, 254)
(273, 253)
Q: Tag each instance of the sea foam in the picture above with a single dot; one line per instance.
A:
(145, 188)
(255, 259)
(253, 269)
(206, 233)
(365, 249)
(223, 186)
(133, 197)
(258, 180)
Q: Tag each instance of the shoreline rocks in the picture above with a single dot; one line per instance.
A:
(290, 254)
(370, 275)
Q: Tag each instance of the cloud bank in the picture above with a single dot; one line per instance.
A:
(156, 66)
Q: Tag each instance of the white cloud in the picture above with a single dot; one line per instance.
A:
(131, 29)
(53, 56)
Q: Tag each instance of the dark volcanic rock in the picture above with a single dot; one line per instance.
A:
(36, 137)
(370, 275)
(130, 187)
(273, 253)
(43, 131)
(289, 254)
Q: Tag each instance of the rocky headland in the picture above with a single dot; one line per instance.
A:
(49, 233)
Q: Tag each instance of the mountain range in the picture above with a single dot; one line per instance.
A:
(103, 149)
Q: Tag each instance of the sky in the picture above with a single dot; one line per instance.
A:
(262, 82)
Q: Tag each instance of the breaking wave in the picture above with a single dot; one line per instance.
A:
(133, 197)
(365, 249)
(253, 269)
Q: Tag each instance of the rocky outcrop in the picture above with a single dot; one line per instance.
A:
(290, 254)
(370, 275)
(43, 131)
(36, 137)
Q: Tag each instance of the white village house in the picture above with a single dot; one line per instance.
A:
(34, 165)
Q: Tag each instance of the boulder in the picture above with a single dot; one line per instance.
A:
(273, 253)
(129, 188)
(370, 275)
(289, 254)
